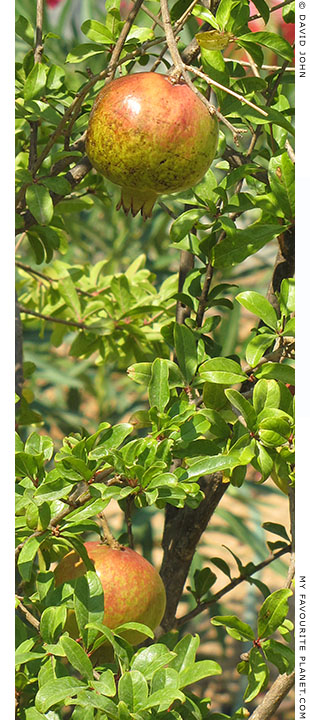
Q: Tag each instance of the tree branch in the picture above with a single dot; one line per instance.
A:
(230, 586)
(183, 529)
(273, 698)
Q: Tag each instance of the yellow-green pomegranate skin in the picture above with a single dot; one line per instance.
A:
(133, 589)
(151, 136)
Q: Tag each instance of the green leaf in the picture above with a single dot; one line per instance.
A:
(57, 691)
(183, 224)
(277, 371)
(97, 32)
(264, 461)
(27, 555)
(270, 40)
(222, 565)
(133, 689)
(89, 698)
(159, 393)
(164, 678)
(223, 12)
(222, 370)
(24, 29)
(88, 604)
(263, 9)
(280, 655)
(77, 657)
(111, 438)
(287, 295)
(55, 79)
(84, 51)
(40, 203)
(140, 627)
(257, 676)
(272, 613)
(244, 631)
(276, 528)
(163, 698)
(35, 82)
(281, 174)
(58, 185)
(257, 347)
(259, 306)
(186, 351)
(244, 406)
(52, 623)
(198, 671)
(150, 659)
(69, 294)
(236, 248)
(106, 683)
(185, 650)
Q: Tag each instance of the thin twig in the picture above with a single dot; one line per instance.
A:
(290, 151)
(128, 519)
(108, 536)
(209, 80)
(273, 9)
(37, 59)
(50, 318)
(28, 615)
(262, 67)
(230, 586)
(204, 295)
(156, 18)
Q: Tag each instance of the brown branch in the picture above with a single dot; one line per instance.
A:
(28, 615)
(37, 59)
(50, 318)
(273, 698)
(204, 295)
(273, 9)
(187, 261)
(183, 528)
(230, 586)
(19, 375)
(108, 536)
(210, 81)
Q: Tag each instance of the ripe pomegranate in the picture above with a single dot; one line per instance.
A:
(150, 136)
(133, 589)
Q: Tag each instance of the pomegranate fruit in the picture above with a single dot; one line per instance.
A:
(151, 136)
(133, 589)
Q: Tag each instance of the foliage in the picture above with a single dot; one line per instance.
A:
(178, 394)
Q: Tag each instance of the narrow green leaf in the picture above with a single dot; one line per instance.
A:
(281, 175)
(56, 691)
(35, 82)
(97, 32)
(280, 655)
(184, 223)
(236, 248)
(69, 294)
(259, 306)
(151, 659)
(77, 657)
(185, 650)
(88, 604)
(277, 371)
(257, 676)
(84, 51)
(159, 387)
(52, 623)
(244, 630)
(272, 41)
(263, 9)
(27, 555)
(163, 698)
(40, 202)
(276, 528)
(257, 347)
(244, 406)
(133, 689)
(186, 351)
(198, 671)
(272, 613)
(222, 370)
(24, 29)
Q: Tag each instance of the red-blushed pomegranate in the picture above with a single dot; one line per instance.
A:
(133, 589)
(151, 136)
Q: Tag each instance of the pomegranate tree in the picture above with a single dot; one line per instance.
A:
(133, 589)
(151, 136)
